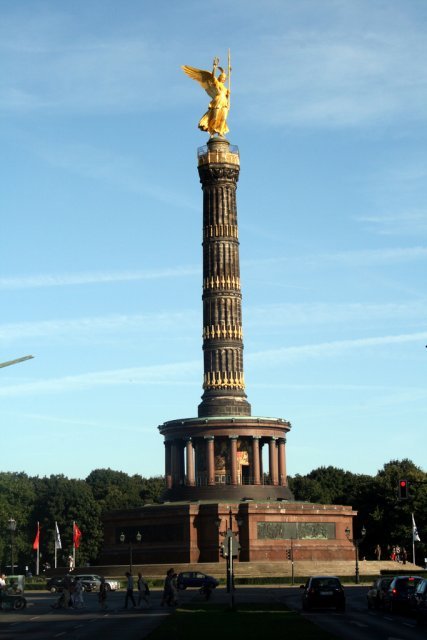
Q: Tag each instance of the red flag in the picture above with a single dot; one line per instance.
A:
(77, 534)
(36, 542)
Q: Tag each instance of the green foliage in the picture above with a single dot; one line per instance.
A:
(59, 499)
(388, 521)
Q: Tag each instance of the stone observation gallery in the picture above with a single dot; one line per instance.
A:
(225, 468)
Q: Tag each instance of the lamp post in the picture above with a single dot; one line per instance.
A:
(230, 550)
(138, 539)
(12, 529)
(356, 542)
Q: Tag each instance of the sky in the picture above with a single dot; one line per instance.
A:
(101, 211)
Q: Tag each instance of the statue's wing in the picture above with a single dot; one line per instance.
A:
(204, 78)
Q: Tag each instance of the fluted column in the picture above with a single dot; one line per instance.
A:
(191, 480)
(282, 462)
(273, 460)
(256, 470)
(233, 460)
(210, 459)
(168, 471)
(223, 382)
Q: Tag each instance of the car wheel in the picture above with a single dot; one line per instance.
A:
(107, 587)
(52, 589)
(20, 603)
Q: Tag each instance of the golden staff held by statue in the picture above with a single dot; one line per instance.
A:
(215, 119)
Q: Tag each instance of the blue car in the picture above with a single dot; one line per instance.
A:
(196, 579)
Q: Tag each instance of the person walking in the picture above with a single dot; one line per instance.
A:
(143, 590)
(78, 602)
(102, 595)
(129, 590)
(167, 589)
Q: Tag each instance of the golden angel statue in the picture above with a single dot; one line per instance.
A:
(215, 119)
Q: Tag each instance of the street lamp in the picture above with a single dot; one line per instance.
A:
(230, 549)
(138, 539)
(12, 529)
(356, 542)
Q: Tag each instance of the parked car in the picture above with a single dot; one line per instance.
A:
(399, 595)
(323, 592)
(56, 583)
(420, 602)
(90, 578)
(196, 579)
(375, 595)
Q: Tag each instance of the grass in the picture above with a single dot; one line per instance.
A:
(248, 621)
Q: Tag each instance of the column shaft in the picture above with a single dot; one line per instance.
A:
(256, 471)
(191, 480)
(233, 460)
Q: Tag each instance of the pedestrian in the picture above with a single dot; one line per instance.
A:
(70, 563)
(377, 552)
(2, 582)
(173, 600)
(102, 595)
(167, 589)
(404, 555)
(143, 591)
(78, 602)
(129, 590)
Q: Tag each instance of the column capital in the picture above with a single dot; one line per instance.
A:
(233, 437)
(256, 437)
(188, 439)
(273, 438)
(209, 437)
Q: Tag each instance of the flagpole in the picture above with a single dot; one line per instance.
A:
(54, 535)
(413, 539)
(74, 544)
(38, 550)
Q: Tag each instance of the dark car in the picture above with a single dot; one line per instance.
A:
(57, 583)
(400, 593)
(420, 602)
(196, 579)
(375, 595)
(323, 592)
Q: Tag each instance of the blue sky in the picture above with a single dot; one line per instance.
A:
(101, 226)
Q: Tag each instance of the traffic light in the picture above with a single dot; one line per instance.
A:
(288, 554)
(223, 551)
(403, 489)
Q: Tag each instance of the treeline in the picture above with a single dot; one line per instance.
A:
(28, 500)
(47, 500)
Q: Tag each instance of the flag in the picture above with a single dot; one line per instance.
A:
(415, 536)
(77, 534)
(36, 542)
(58, 543)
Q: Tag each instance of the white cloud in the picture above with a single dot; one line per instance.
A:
(188, 373)
(94, 277)
(330, 349)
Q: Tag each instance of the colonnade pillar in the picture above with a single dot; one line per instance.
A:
(190, 479)
(256, 460)
(233, 459)
(273, 460)
(210, 459)
(282, 462)
(168, 470)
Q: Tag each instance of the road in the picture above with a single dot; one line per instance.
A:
(40, 622)
(358, 622)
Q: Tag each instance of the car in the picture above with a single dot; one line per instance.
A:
(399, 595)
(420, 602)
(90, 578)
(196, 579)
(323, 592)
(57, 583)
(375, 595)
